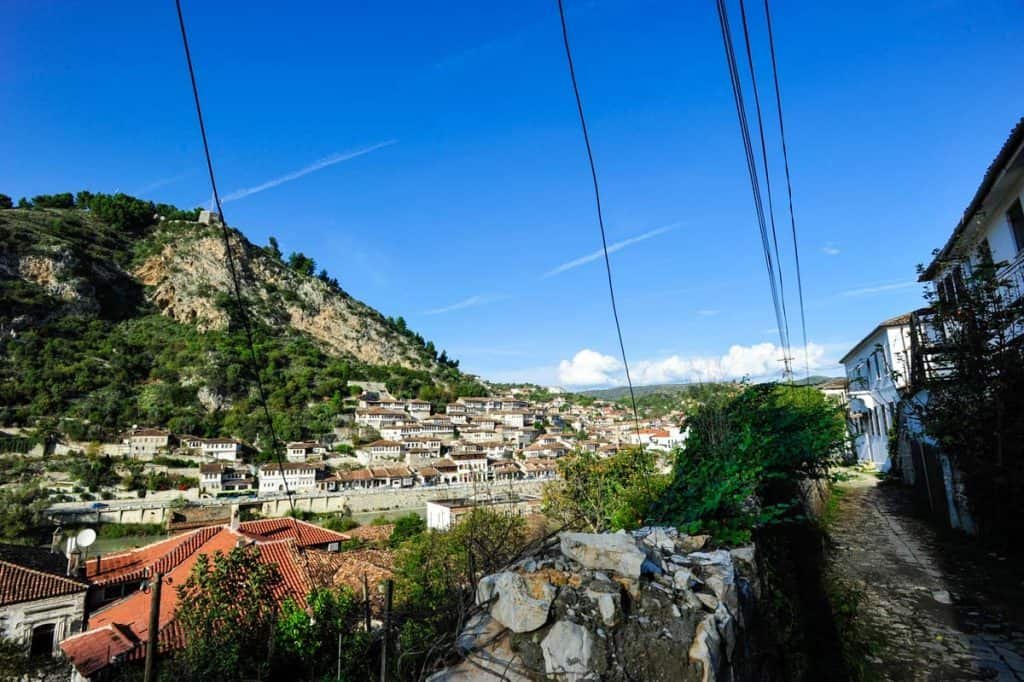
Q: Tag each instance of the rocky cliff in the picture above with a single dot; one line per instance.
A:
(186, 277)
(651, 605)
(69, 262)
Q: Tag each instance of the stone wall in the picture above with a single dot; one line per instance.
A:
(652, 605)
(359, 501)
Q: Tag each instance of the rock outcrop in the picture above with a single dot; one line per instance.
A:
(185, 278)
(649, 605)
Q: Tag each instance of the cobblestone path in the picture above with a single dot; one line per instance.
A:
(938, 607)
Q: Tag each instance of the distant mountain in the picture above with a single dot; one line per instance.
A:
(623, 391)
(116, 311)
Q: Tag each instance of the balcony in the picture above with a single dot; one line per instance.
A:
(930, 345)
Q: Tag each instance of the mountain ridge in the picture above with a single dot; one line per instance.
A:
(95, 277)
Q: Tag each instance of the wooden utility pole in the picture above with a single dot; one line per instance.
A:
(388, 592)
(339, 655)
(154, 627)
(366, 604)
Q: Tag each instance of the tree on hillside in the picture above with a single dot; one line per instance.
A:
(6, 201)
(122, 211)
(62, 200)
(300, 262)
(273, 248)
(228, 614)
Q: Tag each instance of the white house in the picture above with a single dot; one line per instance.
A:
(301, 450)
(878, 372)
(835, 389)
(226, 449)
(40, 605)
(471, 465)
(990, 228)
(393, 477)
(300, 478)
(147, 442)
(377, 417)
(381, 451)
(418, 409)
(400, 431)
(215, 477)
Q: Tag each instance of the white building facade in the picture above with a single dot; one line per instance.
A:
(878, 371)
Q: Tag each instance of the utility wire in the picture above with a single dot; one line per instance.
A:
(600, 215)
(741, 113)
(767, 180)
(233, 269)
(789, 187)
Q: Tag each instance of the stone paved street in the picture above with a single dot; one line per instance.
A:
(938, 607)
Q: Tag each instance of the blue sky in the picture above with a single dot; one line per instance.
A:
(466, 205)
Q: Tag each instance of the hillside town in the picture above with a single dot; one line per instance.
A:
(387, 442)
(504, 342)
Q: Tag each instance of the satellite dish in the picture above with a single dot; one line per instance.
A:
(85, 537)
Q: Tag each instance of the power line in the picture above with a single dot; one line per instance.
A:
(600, 215)
(767, 177)
(755, 186)
(232, 268)
(789, 186)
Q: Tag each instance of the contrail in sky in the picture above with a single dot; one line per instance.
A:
(311, 168)
(612, 248)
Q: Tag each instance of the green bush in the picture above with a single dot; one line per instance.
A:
(747, 457)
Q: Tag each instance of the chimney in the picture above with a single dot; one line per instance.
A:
(58, 537)
(234, 517)
(74, 559)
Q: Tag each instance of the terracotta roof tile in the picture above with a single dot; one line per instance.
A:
(20, 583)
(122, 628)
(303, 533)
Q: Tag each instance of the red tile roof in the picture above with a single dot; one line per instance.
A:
(122, 628)
(304, 534)
(137, 563)
(28, 580)
(371, 533)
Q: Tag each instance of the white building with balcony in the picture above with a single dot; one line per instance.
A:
(300, 478)
(878, 371)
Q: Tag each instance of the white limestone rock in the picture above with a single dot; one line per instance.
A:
(568, 650)
(617, 552)
(519, 608)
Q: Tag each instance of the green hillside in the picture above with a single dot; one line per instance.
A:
(115, 311)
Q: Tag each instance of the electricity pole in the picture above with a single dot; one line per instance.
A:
(154, 627)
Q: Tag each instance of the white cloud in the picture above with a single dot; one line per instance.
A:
(162, 182)
(472, 301)
(311, 168)
(830, 249)
(612, 248)
(879, 288)
(589, 368)
(761, 361)
(707, 312)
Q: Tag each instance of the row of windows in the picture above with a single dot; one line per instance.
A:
(878, 421)
(951, 287)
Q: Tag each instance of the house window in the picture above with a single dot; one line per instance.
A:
(42, 641)
(951, 286)
(1015, 217)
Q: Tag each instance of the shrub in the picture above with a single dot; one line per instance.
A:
(747, 457)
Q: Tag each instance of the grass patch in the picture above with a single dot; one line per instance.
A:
(858, 642)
